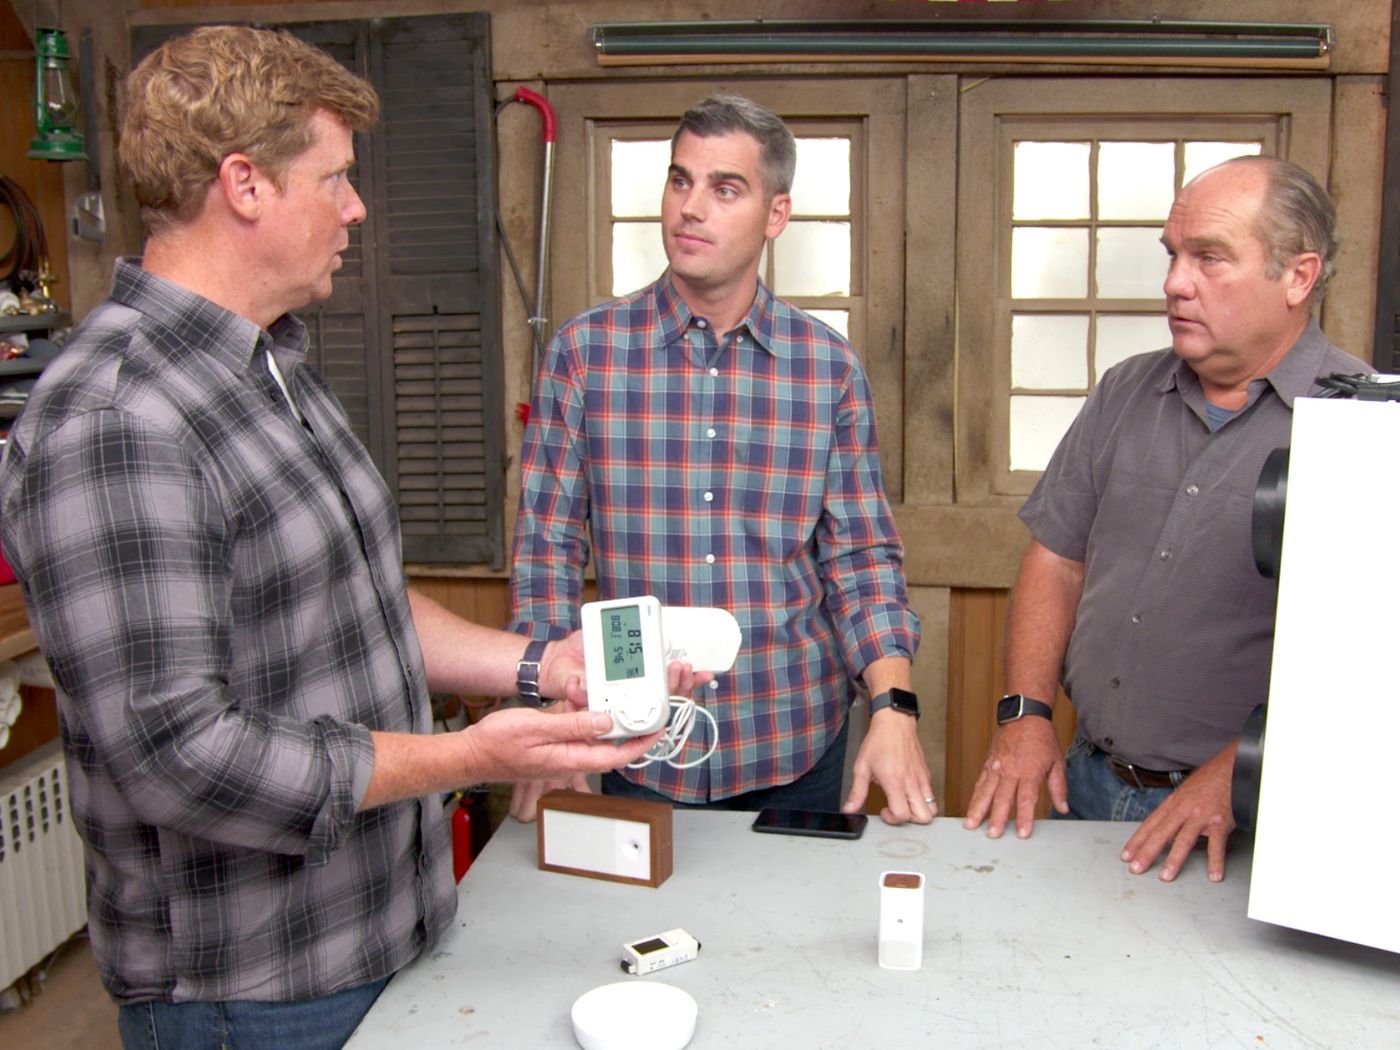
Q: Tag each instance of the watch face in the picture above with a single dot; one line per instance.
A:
(1008, 709)
(904, 700)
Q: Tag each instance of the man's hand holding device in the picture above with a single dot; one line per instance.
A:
(626, 642)
(639, 661)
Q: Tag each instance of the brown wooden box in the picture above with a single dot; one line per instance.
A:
(599, 837)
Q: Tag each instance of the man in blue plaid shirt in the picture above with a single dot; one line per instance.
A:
(717, 446)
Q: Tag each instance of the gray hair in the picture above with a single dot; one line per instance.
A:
(722, 114)
(1297, 216)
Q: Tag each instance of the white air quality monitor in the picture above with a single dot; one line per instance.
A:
(627, 645)
(625, 664)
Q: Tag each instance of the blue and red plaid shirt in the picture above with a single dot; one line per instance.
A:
(740, 473)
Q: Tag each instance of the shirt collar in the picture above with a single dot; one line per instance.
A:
(675, 317)
(204, 325)
(1293, 377)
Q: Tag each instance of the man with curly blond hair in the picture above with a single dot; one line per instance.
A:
(212, 567)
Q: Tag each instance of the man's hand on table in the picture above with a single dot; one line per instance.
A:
(1023, 755)
(1199, 807)
(892, 756)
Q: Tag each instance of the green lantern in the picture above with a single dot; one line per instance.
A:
(54, 102)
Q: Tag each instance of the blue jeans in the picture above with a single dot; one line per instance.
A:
(818, 789)
(311, 1024)
(1096, 793)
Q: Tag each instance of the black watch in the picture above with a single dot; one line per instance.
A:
(1016, 706)
(900, 699)
(527, 675)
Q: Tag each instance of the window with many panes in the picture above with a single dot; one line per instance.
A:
(1063, 189)
(1086, 269)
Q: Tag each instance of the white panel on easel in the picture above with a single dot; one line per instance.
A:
(1324, 860)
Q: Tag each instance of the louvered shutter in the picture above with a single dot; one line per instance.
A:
(410, 338)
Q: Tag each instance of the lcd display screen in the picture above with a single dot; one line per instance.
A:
(622, 642)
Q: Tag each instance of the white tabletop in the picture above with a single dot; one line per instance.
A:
(1041, 943)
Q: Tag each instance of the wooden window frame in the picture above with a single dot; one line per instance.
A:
(1300, 110)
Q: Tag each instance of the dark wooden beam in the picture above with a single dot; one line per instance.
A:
(1387, 338)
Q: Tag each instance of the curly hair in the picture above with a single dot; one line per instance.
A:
(227, 89)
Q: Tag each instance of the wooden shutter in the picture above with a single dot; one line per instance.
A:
(410, 338)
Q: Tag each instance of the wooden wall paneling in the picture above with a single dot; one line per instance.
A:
(976, 680)
(1357, 186)
(976, 632)
(483, 600)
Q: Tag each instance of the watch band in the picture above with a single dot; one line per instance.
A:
(902, 700)
(527, 675)
(1016, 706)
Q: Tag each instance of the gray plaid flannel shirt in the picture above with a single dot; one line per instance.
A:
(219, 591)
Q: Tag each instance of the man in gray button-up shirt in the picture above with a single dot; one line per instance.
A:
(1138, 590)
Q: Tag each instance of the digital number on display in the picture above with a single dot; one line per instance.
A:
(622, 640)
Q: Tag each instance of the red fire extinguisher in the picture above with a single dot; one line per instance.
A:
(461, 836)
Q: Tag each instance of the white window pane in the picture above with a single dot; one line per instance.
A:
(1050, 180)
(1037, 424)
(813, 258)
(1118, 337)
(638, 257)
(840, 320)
(1050, 351)
(1048, 263)
(1137, 180)
(1131, 263)
(822, 185)
(1203, 155)
(638, 176)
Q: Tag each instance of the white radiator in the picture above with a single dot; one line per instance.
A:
(43, 900)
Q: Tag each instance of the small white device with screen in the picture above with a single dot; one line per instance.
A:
(624, 658)
(657, 953)
(627, 644)
(901, 920)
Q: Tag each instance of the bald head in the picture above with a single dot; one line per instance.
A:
(1294, 214)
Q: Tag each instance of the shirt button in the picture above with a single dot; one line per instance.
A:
(700, 322)
(1107, 742)
(1114, 682)
(710, 432)
(709, 559)
(713, 683)
(1137, 617)
(1165, 555)
(714, 371)
(1191, 490)
(709, 497)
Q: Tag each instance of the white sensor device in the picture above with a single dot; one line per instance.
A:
(901, 920)
(659, 951)
(627, 644)
(625, 664)
(631, 1015)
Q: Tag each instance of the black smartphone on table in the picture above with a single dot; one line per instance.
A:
(810, 822)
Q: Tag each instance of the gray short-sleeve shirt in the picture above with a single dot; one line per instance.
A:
(1173, 637)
